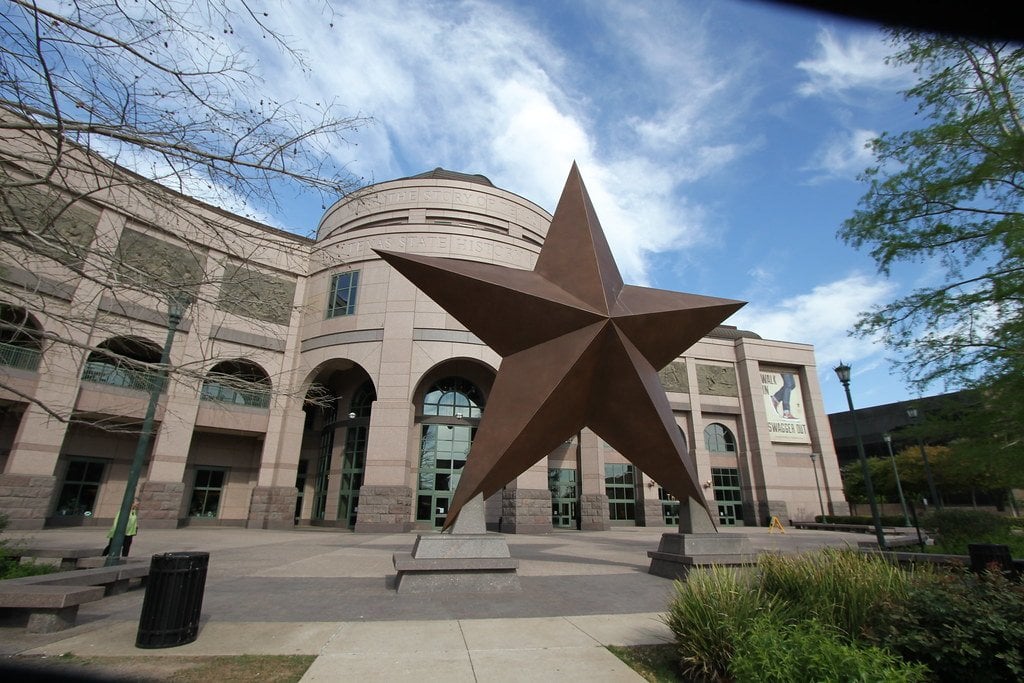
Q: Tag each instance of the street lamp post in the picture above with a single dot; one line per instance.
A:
(177, 304)
(817, 485)
(843, 372)
(896, 471)
(913, 414)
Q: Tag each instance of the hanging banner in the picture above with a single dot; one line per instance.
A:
(784, 405)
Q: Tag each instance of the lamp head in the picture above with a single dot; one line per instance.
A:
(843, 372)
(912, 412)
(177, 303)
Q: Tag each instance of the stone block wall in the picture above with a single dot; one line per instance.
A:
(525, 511)
(160, 504)
(25, 499)
(384, 509)
(272, 507)
(594, 512)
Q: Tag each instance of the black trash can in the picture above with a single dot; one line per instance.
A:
(173, 601)
(985, 555)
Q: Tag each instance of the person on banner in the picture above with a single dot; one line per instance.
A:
(130, 530)
(782, 395)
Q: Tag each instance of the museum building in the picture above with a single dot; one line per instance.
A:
(314, 385)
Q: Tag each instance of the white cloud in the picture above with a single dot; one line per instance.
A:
(475, 87)
(843, 155)
(822, 317)
(839, 66)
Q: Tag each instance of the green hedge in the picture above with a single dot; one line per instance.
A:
(838, 615)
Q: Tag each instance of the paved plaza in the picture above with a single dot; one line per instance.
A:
(331, 594)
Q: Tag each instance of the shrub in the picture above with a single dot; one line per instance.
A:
(963, 627)
(957, 528)
(10, 569)
(709, 614)
(887, 520)
(774, 652)
(838, 588)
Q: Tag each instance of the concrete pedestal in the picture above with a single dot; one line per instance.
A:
(697, 544)
(466, 560)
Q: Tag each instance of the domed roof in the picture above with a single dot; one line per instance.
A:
(444, 174)
(731, 332)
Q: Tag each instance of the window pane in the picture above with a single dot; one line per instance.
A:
(342, 297)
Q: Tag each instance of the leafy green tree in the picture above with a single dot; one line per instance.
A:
(952, 193)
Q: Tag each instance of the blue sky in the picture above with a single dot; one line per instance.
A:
(719, 140)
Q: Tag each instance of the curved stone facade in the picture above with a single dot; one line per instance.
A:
(362, 394)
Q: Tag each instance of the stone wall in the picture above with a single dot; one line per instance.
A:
(25, 499)
(272, 507)
(525, 511)
(384, 509)
(160, 504)
(594, 512)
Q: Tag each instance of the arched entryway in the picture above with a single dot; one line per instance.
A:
(338, 405)
(719, 439)
(449, 404)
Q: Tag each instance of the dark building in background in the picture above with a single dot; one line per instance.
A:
(936, 422)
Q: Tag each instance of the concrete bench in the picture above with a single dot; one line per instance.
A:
(52, 600)
(114, 580)
(854, 528)
(69, 557)
(50, 608)
(895, 541)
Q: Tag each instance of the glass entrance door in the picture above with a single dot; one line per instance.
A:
(728, 495)
(443, 451)
(562, 484)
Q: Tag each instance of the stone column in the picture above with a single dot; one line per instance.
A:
(386, 497)
(526, 502)
(593, 500)
(29, 482)
(649, 508)
(272, 505)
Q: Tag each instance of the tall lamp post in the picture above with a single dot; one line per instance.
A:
(914, 414)
(843, 372)
(817, 485)
(895, 470)
(176, 307)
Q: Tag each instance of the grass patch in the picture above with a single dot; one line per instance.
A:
(180, 669)
(656, 663)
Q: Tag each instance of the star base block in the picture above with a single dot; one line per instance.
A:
(678, 553)
(457, 563)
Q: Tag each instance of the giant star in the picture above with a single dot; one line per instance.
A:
(579, 349)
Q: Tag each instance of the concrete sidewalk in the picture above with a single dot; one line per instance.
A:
(330, 594)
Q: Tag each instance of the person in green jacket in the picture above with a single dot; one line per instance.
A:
(130, 530)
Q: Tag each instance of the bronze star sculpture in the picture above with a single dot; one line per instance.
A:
(579, 349)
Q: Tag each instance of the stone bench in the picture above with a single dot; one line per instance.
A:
(50, 608)
(895, 541)
(52, 600)
(854, 528)
(114, 580)
(69, 557)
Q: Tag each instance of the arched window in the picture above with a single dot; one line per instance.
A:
(21, 339)
(238, 382)
(718, 439)
(125, 362)
(453, 397)
(445, 444)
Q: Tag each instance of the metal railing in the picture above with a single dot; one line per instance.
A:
(21, 357)
(220, 393)
(116, 375)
